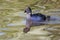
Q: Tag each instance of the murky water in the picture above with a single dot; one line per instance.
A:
(14, 31)
(2, 33)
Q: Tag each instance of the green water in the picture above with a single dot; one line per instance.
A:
(12, 20)
(36, 33)
(11, 28)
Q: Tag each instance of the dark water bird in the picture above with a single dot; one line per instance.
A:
(32, 19)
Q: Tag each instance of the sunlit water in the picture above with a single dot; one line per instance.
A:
(14, 31)
(2, 33)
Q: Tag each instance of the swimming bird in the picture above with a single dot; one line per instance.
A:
(32, 19)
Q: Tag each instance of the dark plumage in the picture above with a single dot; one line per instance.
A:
(38, 17)
(32, 19)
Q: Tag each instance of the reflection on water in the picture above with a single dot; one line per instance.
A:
(42, 32)
(36, 33)
(53, 20)
(3, 28)
(23, 22)
(2, 33)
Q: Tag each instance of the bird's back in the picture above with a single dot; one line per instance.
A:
(38, 17)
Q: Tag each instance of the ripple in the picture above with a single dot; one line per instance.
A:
(2, 33)
(23, 22)
(3, 28)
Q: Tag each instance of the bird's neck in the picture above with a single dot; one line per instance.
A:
(29, 14)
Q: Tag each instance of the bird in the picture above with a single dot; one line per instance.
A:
(32, 19)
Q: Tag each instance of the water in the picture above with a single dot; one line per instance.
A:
(3, 28)
(2, 33)
(53, 20)
(23, 22)
(42, 32)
